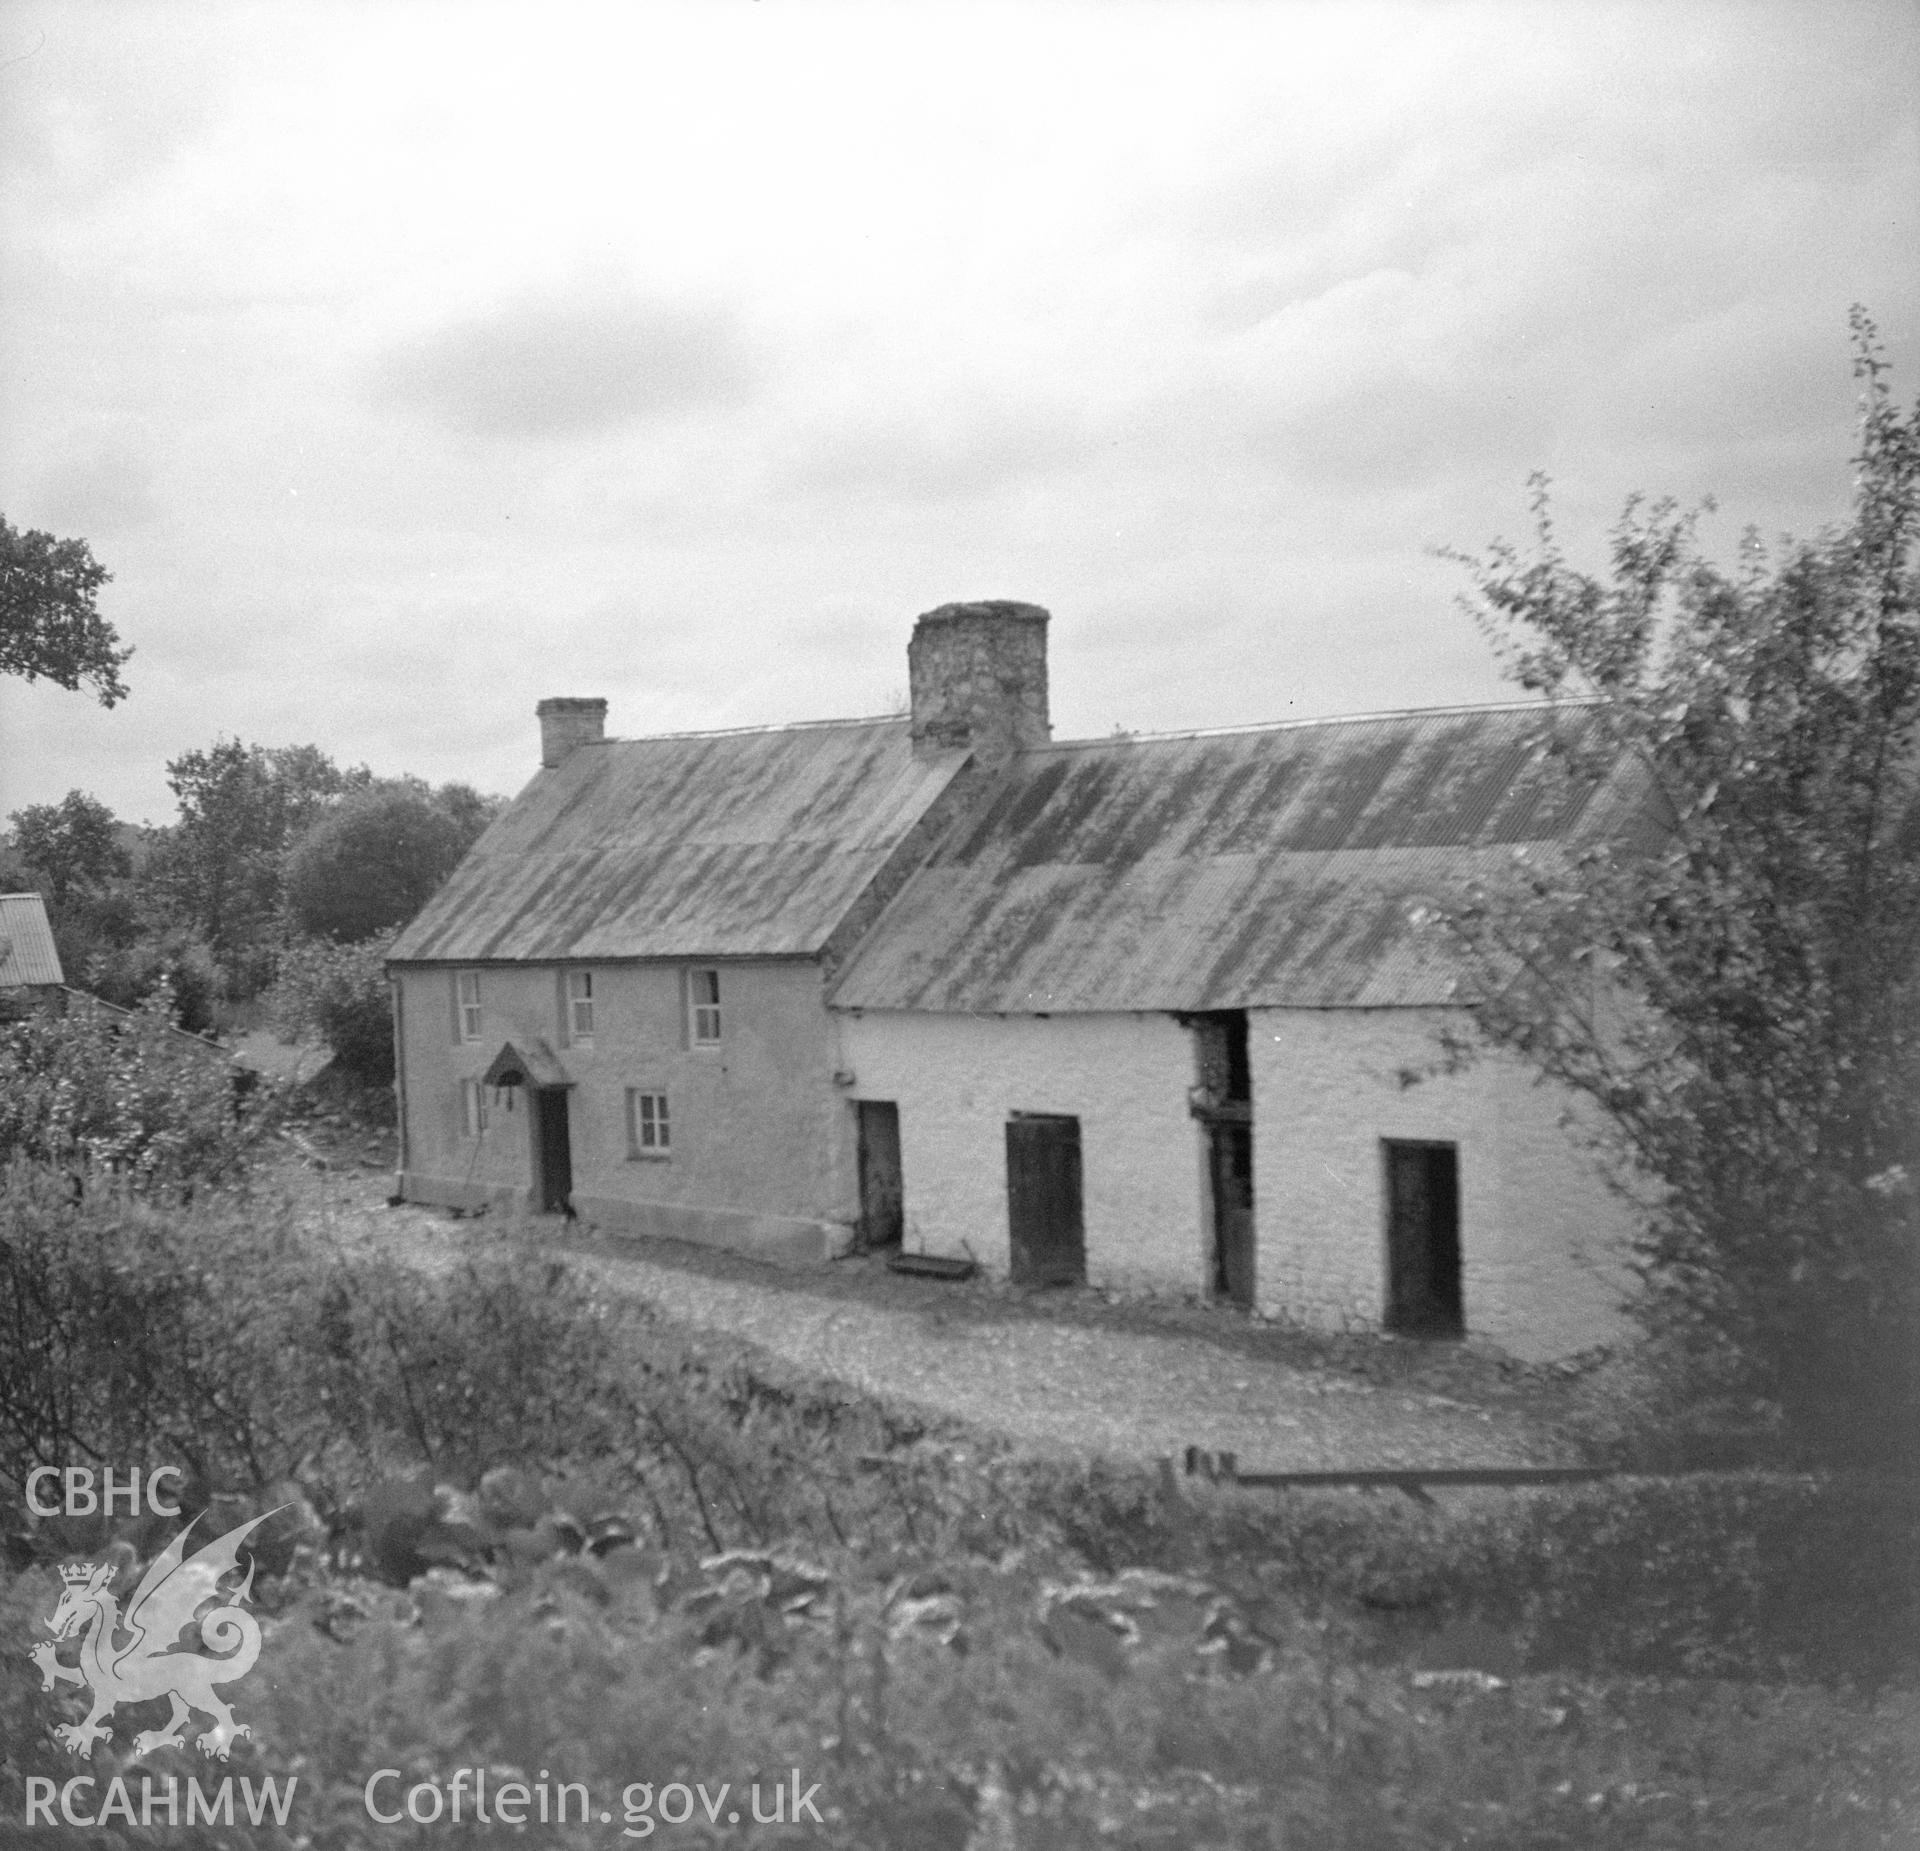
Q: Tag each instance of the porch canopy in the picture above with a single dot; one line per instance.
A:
(536, 1067)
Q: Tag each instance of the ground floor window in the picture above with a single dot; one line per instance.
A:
(649, 1130)
(473, 1107)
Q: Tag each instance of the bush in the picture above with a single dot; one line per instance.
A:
(340, 994)
(140, 1332)
(123, 1095)
(216, 1335)
(127, 974)
(507, 1356)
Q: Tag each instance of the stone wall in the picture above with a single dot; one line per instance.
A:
(978, 677)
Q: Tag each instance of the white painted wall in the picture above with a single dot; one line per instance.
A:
(1542, 1237)
(957, 1079)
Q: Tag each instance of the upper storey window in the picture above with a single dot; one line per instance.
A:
(703, 1008)
(466, 985)
(580, 1008)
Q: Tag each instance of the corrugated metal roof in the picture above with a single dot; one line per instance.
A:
(1277, 867)
(26, 942)
(740, 844)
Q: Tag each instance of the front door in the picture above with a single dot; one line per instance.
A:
(553, 1151)
(880, 1187)
(1049, 1245)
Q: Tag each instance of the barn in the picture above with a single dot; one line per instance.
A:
(1156, 1013)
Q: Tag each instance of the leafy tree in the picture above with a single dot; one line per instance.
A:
(1754, 1046)
(70, 845)
(374, 859)
(240, 806)
(49, 625)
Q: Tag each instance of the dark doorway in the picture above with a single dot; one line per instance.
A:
(1230, 1169)
(1223, 1102)
(880, 1187)
(553, 1151)
(1043, 1200)
(1423, 1240)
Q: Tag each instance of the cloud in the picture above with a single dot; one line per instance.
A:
(555, 368)
(957, 451)
(101, 486)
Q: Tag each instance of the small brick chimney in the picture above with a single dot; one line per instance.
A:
(978, 678)
(566, 723)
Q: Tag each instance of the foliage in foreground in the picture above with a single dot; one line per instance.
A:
(957, 1645)
(1762, 1056)
(604, 1673)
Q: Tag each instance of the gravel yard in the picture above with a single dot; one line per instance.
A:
(1063, 1372)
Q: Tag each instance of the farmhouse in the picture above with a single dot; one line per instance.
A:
(1153, 1012)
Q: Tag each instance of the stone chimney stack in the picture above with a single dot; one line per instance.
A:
(978, 678)
(566, 723)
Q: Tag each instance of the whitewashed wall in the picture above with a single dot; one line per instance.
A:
(957, 1079)
(1541, 1236)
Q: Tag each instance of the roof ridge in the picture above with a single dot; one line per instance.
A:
(738, 732)
(1331, 719)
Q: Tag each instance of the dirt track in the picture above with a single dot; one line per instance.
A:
(1061, 1373)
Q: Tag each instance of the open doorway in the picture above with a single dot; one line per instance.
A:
(1230, 1169)
(881, 1190)
(552, 1151)
(1223, 1103)
(1044, 1223)
(1423, 1239)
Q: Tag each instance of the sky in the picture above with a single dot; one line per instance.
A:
(406, 363)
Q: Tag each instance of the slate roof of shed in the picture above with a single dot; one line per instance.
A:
(1272, 867)
(738, 844)
(27, 954)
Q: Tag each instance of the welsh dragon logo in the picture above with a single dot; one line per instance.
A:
(145, 1664)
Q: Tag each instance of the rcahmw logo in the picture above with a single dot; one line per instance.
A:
(129, 1658)
(160, 1803)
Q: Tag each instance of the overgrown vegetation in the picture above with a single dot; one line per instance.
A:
(338, 994)
(123, 1100)
(1742, 1002)
(528, 1527)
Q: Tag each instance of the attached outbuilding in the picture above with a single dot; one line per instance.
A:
(1167, 1012)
